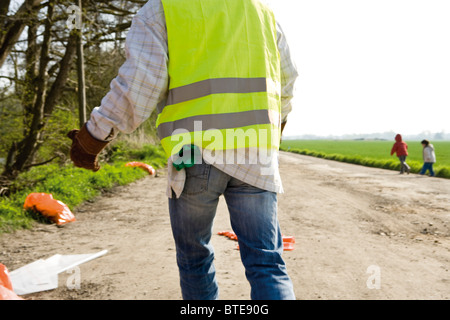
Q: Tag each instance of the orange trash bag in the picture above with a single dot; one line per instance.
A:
(143, 166)
(6, 289)
(54, 210)
(288, 241)
(228, 234)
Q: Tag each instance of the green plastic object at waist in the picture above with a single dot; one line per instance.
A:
(188, 156)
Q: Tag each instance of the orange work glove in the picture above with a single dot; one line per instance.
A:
(85, 149)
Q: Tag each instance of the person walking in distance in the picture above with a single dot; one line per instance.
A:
(220, 75)
(429, 158)
(401, 149)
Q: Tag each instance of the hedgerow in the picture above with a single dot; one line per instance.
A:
(72, 185)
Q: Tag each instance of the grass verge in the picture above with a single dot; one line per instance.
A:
(391, 164)
(72, 185)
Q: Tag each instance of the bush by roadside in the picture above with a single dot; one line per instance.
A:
(392, 164)
(72, 185)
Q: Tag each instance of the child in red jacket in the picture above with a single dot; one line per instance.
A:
(401, 148)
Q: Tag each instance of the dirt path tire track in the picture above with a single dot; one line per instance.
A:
(345, 218)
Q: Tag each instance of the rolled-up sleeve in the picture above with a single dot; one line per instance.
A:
(289, 74)
(142, 81)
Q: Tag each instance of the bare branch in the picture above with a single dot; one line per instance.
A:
(41, 163)
(14, 28)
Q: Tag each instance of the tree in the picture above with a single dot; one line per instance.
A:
(13, 26)
(41, 62)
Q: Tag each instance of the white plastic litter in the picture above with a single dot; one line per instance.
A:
(42, 275)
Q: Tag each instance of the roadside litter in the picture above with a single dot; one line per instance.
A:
(42, 275)
(288, 241)
(54, 210)
(143, 166)
(228, 234)
(6, 289)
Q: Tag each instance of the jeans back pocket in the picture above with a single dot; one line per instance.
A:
(197, 179)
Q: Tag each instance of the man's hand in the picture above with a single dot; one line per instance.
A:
(85, 149)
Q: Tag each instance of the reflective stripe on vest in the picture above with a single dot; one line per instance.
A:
(223, 72)
(215, 121)
(225, 85)
(215, 86)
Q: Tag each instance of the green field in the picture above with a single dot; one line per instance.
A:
(371, 153)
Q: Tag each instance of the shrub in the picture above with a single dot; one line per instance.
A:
(73, 185)
(442, 171)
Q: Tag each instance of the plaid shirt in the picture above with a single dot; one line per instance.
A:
(142, 84)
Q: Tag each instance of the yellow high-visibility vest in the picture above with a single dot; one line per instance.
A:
(224, 76)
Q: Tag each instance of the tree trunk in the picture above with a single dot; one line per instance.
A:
(4, 6)
(81, 76)
(30, 144)
(29, 88)
(41, 85)
(13, 28)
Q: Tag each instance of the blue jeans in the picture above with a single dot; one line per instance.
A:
(403, 165)
(253, 216)
(427, 166)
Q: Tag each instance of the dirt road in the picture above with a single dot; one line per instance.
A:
(361, 233)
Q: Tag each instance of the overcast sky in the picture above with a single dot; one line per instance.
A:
(368, 65)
